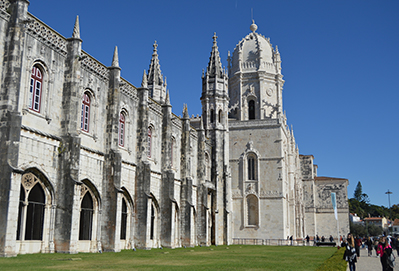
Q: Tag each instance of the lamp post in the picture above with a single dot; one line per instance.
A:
(389, 202)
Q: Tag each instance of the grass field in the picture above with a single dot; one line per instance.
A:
(236, 257)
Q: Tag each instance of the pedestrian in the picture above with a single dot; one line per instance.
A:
(350, 253)
(397, 246)
(307, 239)
(358, 244)
(317, 238)
(322, 238)
(331, 239)
(291, 240)
(369, 244)
(386, 259)
(380, 251)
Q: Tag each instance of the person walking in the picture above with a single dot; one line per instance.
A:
(369, 244)
(380, 251)
(387, 264)
(358, 244)
(350, 253)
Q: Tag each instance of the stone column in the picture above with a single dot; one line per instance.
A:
(10, 125)
(68, 174)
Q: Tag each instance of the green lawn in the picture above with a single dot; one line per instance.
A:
(236, 257)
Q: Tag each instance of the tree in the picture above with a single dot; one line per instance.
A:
(358, 194)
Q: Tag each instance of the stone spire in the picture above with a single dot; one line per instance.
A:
(185, 112)
(144, 81)
(115, 59)
(214, 66)
(167, 99)
(154, 72)
(76, 29)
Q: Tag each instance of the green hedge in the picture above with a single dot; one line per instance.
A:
(335, 262)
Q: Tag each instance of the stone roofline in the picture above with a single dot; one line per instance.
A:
(324, 178)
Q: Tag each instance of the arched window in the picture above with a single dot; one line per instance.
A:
(172, 151)
(149, 142)
(212, 116)
(252, 167)
(207, 167)
(121, 129)
(85, 118)
(123, 219)
(220, 116)
(252, 210)
(35, 89)
(20, 210)
(35, 214)
(31, 211)
(86, 217)
(251, 110)
(152, 226)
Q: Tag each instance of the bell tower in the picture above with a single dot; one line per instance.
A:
(255, 79)
(215, 103)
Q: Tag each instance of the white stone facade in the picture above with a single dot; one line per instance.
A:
(91, 162)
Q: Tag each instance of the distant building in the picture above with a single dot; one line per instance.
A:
(354, 218)
(377, 221)
(395, 226)
(89, 162)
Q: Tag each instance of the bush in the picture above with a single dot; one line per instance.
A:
(335, 262)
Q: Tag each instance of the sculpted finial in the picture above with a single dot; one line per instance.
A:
(253, 26)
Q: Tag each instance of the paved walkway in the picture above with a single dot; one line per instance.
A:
(372, 263)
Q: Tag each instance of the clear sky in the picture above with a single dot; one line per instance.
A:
(339, 60)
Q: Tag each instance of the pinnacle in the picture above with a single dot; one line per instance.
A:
(115, 59)
(76, 29)
(144, 81)
(214, 66)
(154, 71)
(167, 99)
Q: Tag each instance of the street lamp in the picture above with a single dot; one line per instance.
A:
(389, 202)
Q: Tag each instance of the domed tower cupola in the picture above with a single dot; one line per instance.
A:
(155, 80)
(214, 97)
(255, 80)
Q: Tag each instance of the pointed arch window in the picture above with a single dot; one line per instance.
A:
(122, 129)
(172, 151)
(152, 225)
(149, 142)
(35, 88)
(251, 110)
(86, 217)
(212, 116)
(85, 117)
(31, 211)
(124, 216)
(207, 167)
(252, 167)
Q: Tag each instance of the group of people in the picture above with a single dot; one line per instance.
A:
(384, 248)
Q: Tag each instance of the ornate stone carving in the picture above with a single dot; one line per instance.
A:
(94, 66)
(4, 4)
(83, 191)
(47, 34)
(28, 181)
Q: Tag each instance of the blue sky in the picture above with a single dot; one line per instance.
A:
(339, 60)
